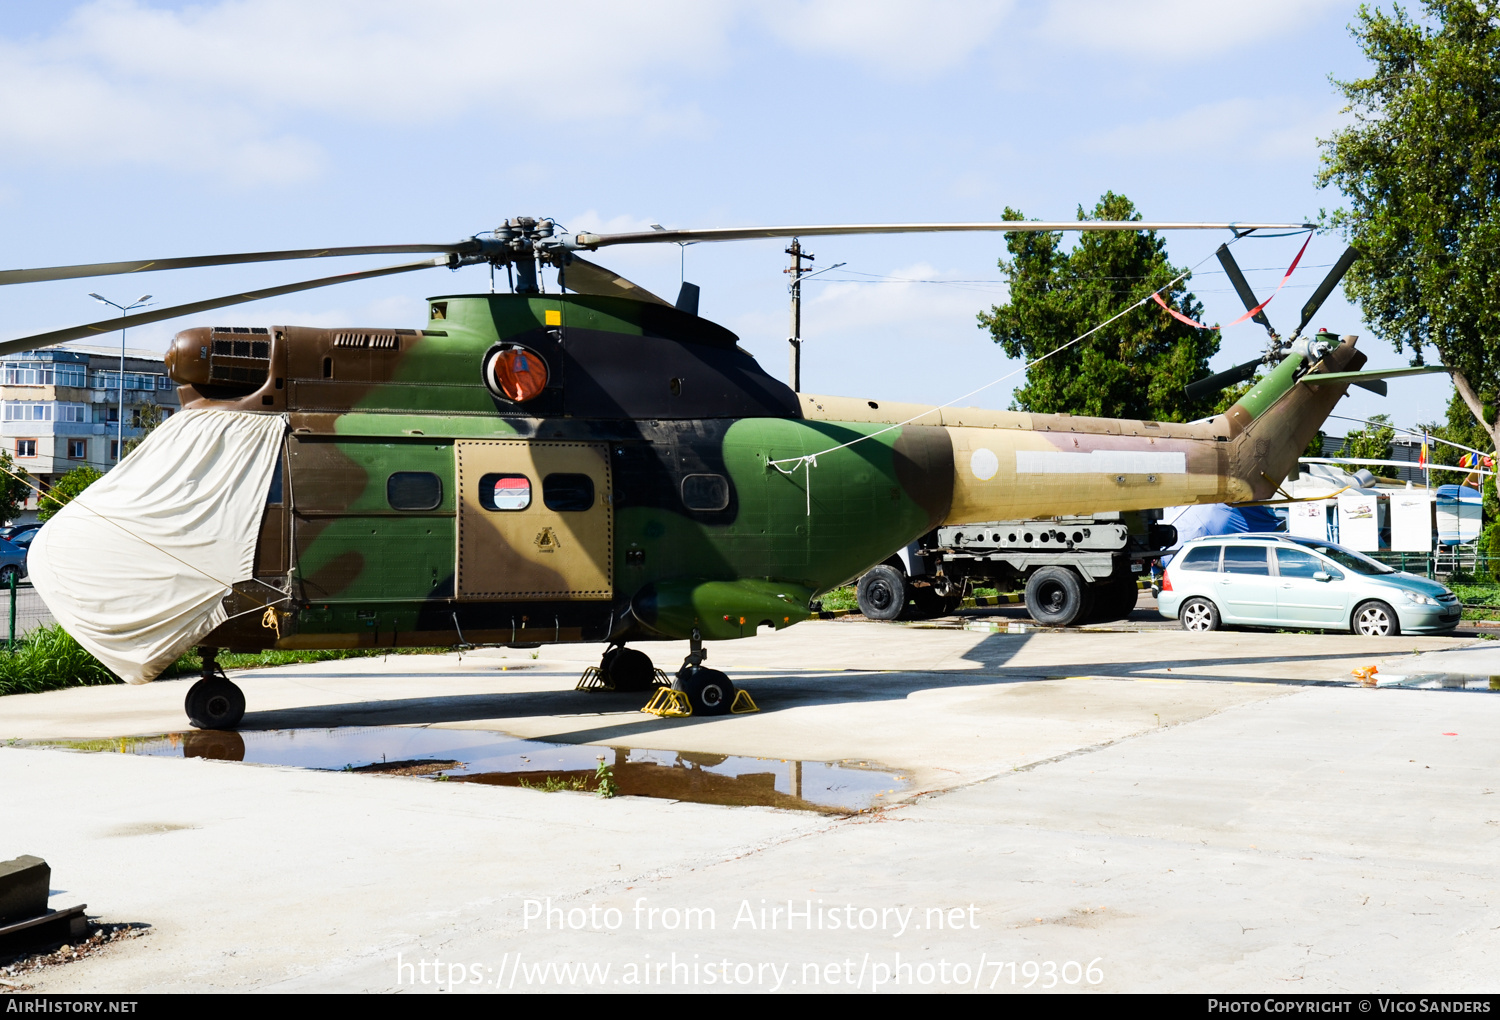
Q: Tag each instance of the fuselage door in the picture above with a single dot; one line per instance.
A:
(535, 520)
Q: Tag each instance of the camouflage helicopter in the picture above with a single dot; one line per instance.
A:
(596, 464)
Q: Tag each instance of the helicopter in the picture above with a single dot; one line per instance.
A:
(595, 464)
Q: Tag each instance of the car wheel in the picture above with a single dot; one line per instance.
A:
(1375, 619)
(1199, 615)
(1057, 597)
(882, 593)
(9, 575)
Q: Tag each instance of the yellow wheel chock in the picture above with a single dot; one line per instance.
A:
(743, 703)
(593, 680)
(669, 703)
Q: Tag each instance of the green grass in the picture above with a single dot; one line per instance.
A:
(555, 784)
(839, 598)
(48, 659)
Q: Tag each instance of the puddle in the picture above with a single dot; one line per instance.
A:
(499, 759)
(1439, 681)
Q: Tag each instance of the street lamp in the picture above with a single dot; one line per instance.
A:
(125, 310)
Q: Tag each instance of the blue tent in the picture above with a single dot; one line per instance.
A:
(1219, 519)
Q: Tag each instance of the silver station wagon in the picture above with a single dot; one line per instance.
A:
(1286, 581)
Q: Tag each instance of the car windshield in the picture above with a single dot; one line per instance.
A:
(1357, 562)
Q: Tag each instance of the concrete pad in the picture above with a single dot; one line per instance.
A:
(1179, 810)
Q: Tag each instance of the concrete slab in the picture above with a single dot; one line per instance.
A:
(1181, 811)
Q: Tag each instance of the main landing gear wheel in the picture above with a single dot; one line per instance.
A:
(709, 691)
(627, 670)
(214, 702)
(1057, 597)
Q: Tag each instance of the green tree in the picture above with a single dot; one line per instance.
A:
(65, 489)
(1373, 442)
(1420, 168)
(15, 487)
(1136, 366)
(147, 418)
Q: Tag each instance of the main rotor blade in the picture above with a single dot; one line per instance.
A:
(591, 241)
(1326, 287)
(93, 329)
(1242, 287)
(1214, 383)
(153, 265)
(585, 277)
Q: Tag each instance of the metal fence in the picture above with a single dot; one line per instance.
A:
(26, 610)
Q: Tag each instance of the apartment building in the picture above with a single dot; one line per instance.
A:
(60, 407)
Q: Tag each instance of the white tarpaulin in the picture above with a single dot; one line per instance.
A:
(136, 567)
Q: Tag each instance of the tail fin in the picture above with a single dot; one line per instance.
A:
(1272, 424)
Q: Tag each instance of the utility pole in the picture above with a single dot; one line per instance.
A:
(125, 310)
(797, 273)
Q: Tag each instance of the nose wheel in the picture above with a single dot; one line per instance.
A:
(214, 702)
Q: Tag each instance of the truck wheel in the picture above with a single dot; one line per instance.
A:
(1057, 597)
(928, 603)
(1114, 600)
(882, 593)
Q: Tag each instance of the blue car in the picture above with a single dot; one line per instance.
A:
(1278, 580)
(12, 563)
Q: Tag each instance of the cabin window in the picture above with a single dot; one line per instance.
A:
(276, 493)
(705, 492)
(568, 492)
(504, 492)
(1204, 557)
(414, 490)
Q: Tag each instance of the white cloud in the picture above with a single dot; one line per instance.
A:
(221, 89)
(897, 38)
(1175, 29)
(1270, 128)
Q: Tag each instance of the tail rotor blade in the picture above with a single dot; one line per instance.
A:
(1241, 286)
(1326, 287)
(1214, 383)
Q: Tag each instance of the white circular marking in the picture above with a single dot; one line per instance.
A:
(984, 464)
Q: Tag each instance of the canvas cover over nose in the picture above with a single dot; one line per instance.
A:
(137, 566)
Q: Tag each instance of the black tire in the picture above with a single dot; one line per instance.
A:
(1374, 619)
(9, 574)
(628, 670)
(1199, 616)
(1057, 597)
(708, 691)
(926, 603)
(214, 703)
(1114, 600)
(882, 593)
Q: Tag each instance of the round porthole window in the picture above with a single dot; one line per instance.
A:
(515, 373)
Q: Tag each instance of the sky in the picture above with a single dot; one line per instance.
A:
(131, 129)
